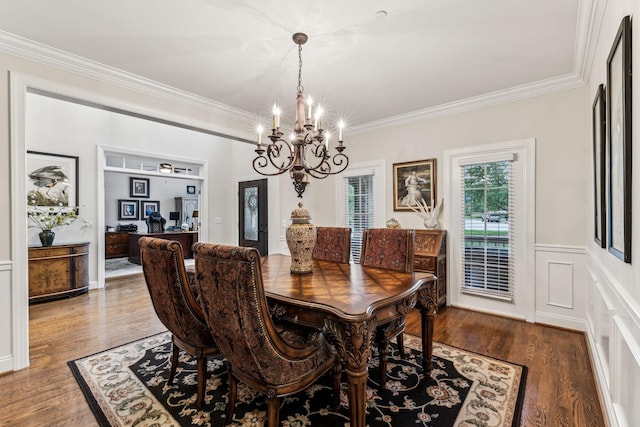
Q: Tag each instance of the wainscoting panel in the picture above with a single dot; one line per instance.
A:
(613, 336)
(559, 274)
(560, 286)
(626, 381)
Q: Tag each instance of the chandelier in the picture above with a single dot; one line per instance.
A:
(306, 153)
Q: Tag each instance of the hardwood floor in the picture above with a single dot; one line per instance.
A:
(560, 387)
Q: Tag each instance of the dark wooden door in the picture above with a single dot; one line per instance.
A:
(253, 210)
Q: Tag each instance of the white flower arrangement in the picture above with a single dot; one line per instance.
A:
(47, 217)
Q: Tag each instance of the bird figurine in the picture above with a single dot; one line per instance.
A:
(429, 214)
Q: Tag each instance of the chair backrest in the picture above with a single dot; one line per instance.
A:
(231, 293)
(176, 306)
(155, 223)
(333, 244)
(390, 248)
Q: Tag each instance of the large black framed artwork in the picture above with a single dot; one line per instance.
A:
(599, 170)
(619, 143)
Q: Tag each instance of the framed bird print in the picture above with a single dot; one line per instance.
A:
(52, 179)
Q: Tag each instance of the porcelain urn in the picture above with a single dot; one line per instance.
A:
(301, 238)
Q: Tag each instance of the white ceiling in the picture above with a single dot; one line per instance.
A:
(425, 54)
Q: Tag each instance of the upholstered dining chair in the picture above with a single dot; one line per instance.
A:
(391, 249)
(333, 244)
(231, 292)
(176, 306)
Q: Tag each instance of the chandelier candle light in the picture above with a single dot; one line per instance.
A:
(307, 153)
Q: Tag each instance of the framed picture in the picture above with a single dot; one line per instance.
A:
(599, 171)
(139, 187)
(128, 209)
(146, 207)
(52, 179)
(191, 189)
(618, 151)
(414, 182)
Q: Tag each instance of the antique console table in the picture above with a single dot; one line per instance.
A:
(349, 301)
(58, 271)
(186, 239)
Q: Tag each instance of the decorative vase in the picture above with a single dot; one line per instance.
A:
(46, 237)
(393, 223)
(301, 238)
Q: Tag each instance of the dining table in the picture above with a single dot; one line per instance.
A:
(348, 302)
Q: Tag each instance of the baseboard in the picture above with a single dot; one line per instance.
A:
(485, 311)
(6, 364)
(560, 321)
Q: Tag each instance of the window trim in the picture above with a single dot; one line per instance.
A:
(523, 306)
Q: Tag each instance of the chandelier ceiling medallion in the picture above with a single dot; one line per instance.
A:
(307, 151)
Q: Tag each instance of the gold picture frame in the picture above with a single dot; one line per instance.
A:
(412, 182)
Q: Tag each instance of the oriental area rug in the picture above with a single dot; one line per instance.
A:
(127, 386)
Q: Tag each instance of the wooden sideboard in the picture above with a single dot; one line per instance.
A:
(58, 271)
(116, 244)
(431, 256)
(186, 239)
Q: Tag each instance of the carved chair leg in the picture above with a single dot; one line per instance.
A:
(273, 409)
(400, 341)
(174, 362)
(233, 395)
(202, 378)
(383, 344)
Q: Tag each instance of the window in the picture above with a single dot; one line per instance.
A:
(358, 209)
(485, 221)
(360, 195)
(491, 227)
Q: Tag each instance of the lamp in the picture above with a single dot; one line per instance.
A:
(195, 216)
(307, 153)
(165, 168)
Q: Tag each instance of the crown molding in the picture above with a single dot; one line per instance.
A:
(517, 93)
(590, 15)
(47, 55)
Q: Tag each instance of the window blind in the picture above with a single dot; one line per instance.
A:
(359, 203)
(487, 222)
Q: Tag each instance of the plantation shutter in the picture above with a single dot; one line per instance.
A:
(359, 203)
(487, 223)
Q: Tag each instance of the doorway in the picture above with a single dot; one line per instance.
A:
(253, 211)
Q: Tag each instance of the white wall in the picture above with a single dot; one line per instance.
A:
(612, 286)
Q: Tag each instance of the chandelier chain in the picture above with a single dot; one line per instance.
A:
(300, 87)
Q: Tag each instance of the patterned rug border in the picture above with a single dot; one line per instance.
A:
(410, 341)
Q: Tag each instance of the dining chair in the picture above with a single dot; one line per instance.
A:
(176, 306)
(333, 244)
(391, 249)
(232, 297)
